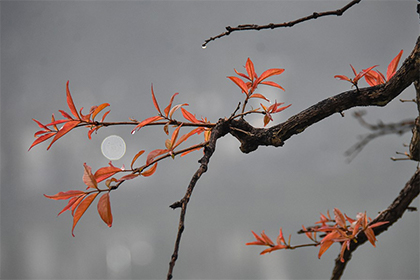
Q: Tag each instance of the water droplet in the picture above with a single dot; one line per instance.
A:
(133, 131)
(203, 47)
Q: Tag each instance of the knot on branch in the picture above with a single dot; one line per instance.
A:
(251, 137)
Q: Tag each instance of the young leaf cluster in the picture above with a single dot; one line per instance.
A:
(342, 229)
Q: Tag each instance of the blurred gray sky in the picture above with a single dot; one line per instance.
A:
(111, 51)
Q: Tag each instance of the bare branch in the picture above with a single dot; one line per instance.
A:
(315, 15)
(379, 129)
(218, 131)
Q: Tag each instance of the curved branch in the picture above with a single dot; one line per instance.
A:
(315, 15)
(381, 95)
(220, 130)
(391, 215)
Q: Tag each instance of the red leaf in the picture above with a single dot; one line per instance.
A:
(342, 77)
(65, 114)
(66, 128)
(105, 114)
(151, 156)
(155, 101)
(71, 202)
(128, 177)
(70, 102)
(104, 209)
(273, 84)
(392, 67)
(257, 95)
(40, 124)
(186, 136)
(187, 115)
(150, 171)
(166, 111)
(146, 122)
(175, 135)
(240, 84)
(269, 73)
(136, 157)
(250, 69)
(106, 172)
(98, 109)
(88, 177)
(176, 108)
(241, 74)
(65, 195)
(81, 209)
(41, 139)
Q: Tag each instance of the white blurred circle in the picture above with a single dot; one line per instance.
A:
(113, 147)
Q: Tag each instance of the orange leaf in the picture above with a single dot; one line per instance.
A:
(193, 150)
(392, 67)
(71, 202)
(136, 157)
(250, 69)
(187, 115)
(88, 177)
(41, 139)
(106, 172)
(273, 84)
(66, 128)
(104, 209)
(175, 135)
(81, 209)
(240, 84)
(99, 109)
(324, 247)
(342, 77)
(166, 111)
(155, 101)
(258, 95)
(241, 74)
(339, 218)
(151, 156)
(269, 73)
(128, 177)
(65, 195)
(176, 108)
(105, 114)
(146, 122)
(186, 136)
(150, 171)
(70, 102)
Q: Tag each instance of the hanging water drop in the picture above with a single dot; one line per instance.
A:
(203, 47)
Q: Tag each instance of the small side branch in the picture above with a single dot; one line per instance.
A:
(218, 131)
(315, 15)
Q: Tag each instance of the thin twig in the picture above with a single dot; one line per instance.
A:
(315, 15)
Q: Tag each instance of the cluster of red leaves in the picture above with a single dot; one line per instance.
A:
(79, 201)
(338, 231)
(252, 80)
(49, 130)
(373, 78)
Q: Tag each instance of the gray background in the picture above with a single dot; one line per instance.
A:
(111, 52)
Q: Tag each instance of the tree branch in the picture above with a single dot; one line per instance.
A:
(391, 215)
(315, 15)
(220, 130)
(372, 96)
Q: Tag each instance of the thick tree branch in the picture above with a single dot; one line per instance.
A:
(315, 15)
(220, 130)
(380, 95)
(391, 215)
